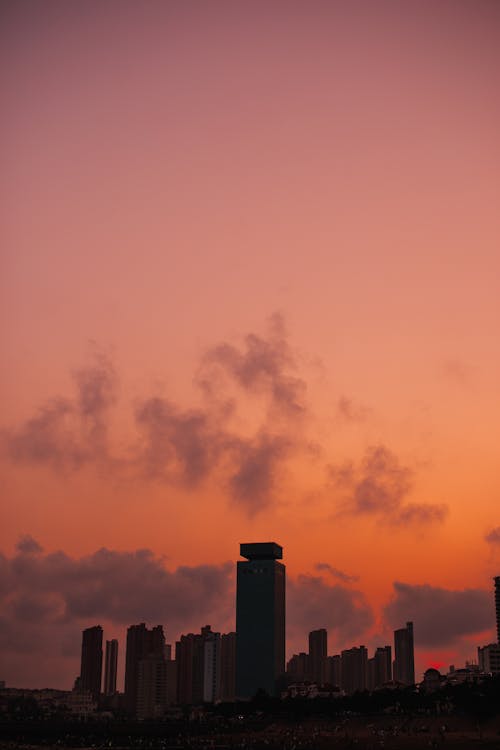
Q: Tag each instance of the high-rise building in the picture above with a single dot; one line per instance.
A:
(212, 671)
(91, 663)
(228, 667)
(110, 667)
(497, 605)
(151, 701)
(190, 658)
(141, 643)
(354, 668)
(382, 666)
(318, 647)
(260, 619)
(404, 659)
(334, 670)
(298, 668)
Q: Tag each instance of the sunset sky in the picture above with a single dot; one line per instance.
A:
(250, 291)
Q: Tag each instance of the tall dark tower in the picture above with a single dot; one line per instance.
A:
(91, 664)
(497, 605)
(260, 619)
(110, 667)
(318, 647)
(404, 659)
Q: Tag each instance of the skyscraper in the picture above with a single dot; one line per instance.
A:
(318, 647)
(404, 660)
(91, 663)
(260, 619)
(497, 605)
(141, 643)
(110, 667)
(354, 669)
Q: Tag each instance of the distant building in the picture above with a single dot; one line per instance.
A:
(190, 658)
(141, 643)
(334, 670)
(497, 605)
(354, 669)
(383, 665)
(318, 648)
(212, 668)
(151, 699)
(404, 659)
(228, 667)
(91, 662)
(110, 667)
(260, 619)
(488, 658)
(298, 668)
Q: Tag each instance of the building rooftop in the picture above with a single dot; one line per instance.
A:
(261, 551)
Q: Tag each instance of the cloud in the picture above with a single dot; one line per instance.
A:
(336, 573)
(68, 433)
(348, 410)
(264, 365)
(493, 536)
(313, 604)
(176, 445)
(440, 616)
(179, 445)
(258, 463)
(47, 599)
(420, 513)
(379, 486)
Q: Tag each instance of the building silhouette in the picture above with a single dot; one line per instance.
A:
(298, 669)
(228, 667)
(497, 605)
(260, 619)
(141, 643)
(354, 669)
(110, 667)
(404, 659)
(318, 650)
(91, 662)
(334, 670)
(152, 696)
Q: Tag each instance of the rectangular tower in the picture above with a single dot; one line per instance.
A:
(260, 619)
(318, 647)
(91, 664)
(110, 667)
(404, 660)
(497, 605)
(141, 643)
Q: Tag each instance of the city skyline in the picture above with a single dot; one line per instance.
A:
(249, 290)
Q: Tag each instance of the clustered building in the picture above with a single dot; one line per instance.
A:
(209, 667)
(352, 670)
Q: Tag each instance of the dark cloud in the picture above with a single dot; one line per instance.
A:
(67, 433)
(47, 599)
(28, 545)
(336, 573)
(493, 536)
(420, 513)
(379, 487)
(178, 445)
(348, 410)
(263, 365)
(440, 616)
(312, 604)
(258, 464)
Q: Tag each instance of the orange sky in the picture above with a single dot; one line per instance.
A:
(250, 291)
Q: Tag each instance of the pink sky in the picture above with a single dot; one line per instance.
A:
(250, 271)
